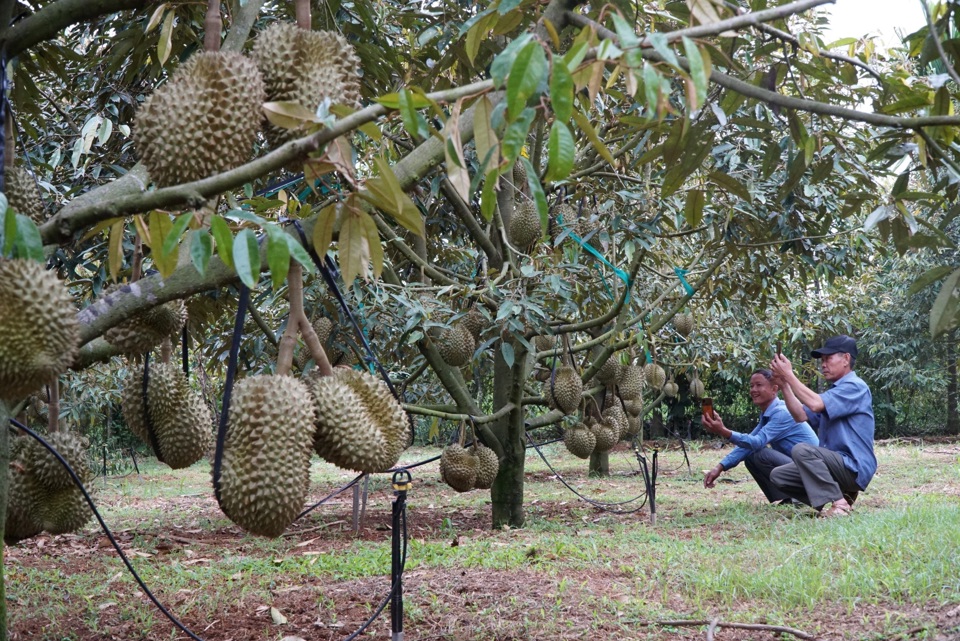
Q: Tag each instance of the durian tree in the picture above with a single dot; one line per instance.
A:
(499, 173)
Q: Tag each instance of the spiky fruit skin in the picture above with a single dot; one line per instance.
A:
(524, 227)
(360, 426)
(519, 175)
(22, 496)
(544, 342)
(683, 323)
(566, 215)
(456, 345)
(182, 422)
(634, 425)
(610, 372)
(671, 389)
(48, 473)
(22, 194)
(607, 436)
(38, 323)
(458, 468)
(323, 326)
(580, 441)
(654, 375)
(62, 511)
(634, 407)
(614, 416)
(567, 389)
(475, 322)
(143, 332)
(266, 455)
(631, 383)
(306, 67)
(202, 122)
(488, 465)
(697, 389)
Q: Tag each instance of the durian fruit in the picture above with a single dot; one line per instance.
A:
(566, 215)
(654, 375)
(48, 473)
(38, 323)
(579, 440)
(607, 435)
(475, 322)
(21, 496)
(182, 423)
(307, 67)
(146, 330)
(519, 176)
(697, 389)
(359, 424)
(62, 511)
(458, 468)
(524, 227)
(567, 389)
(323, 326)
(544, 342)
(670, 388)
(488, 465)
(610, 372)
(614, 416)
(631, 382)
(683, 323)
(266, 454)
(203, 121)
(634, 406)
(456, 345)
(22, 194)
(634, 425)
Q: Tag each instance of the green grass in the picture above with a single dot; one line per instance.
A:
(580, 570)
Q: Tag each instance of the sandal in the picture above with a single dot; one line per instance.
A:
(839, 508)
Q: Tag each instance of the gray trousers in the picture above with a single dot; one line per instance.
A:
(760, 464)
(816, 476)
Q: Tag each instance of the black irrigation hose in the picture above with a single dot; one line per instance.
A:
(103, 525)
(601, 506)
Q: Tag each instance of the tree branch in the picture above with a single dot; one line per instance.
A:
(463, 211)
(783, 35)
(936, 41)
(245, 15)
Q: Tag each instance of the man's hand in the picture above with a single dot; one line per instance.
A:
(782, 368)
(713, 423)
(710, 478)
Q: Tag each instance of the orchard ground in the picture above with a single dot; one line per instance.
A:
(890, 571)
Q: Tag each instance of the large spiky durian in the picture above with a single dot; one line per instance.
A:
(524, 227)
(634, 426)
(544, 342)
(579, 440)
(202, 122)
(631, 382)
(266, 455)
(683, 323)
(488, 465)
(148, 329)
(567, 389)
(670, 388)
(566, 215)
(306, 67)
(654, 375)
(458, 468)
(359, 424)
(616, 418)
(39, 327)
(182, 422)
(62, 511)
(519, 175)
(456, 345)
(610, 372)
(22, 194)
(475, 322)
(607, 436)
(697, 389)
(22, 496)
(48, 473)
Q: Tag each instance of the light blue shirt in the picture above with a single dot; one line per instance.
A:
(846, 425)
(776, 428)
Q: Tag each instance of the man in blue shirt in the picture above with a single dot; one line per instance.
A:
(842, 466)
(776, 429)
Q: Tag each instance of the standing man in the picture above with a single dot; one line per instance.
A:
(776, 428)
(844, 463)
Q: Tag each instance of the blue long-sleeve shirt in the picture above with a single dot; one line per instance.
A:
(776, 428)
(846, 425)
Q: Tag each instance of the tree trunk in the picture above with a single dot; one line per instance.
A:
(656, 423)
(953, 422)
(4, 495)
(507, 491)
(600, 463)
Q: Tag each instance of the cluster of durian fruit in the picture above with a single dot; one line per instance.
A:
(206, 118)
(469, 468)
(458, 343)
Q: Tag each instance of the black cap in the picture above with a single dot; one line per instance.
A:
(841, 343)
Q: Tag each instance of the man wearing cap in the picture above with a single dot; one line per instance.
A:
(844, 463)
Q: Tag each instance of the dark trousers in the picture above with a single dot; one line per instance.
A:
(760, 464)
(816, 476)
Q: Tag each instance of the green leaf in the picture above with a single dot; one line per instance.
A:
(561, 92)
(928, 278)
(201, 250)
(651, 87)
(526, 73)
(115, 252)
(561, 149)
(373, 243)
(160, 227)
(28, 244)
(415, 99)
(944, 311)
(166, 37)
(575, 56)
(476, 33)
(731, 184)
(278, 255)
(587, 129)
(246, 257)
(488, 196)
(506, 349)
(298, 252)
(883, 212)
(693, 210)
(288, 114)
(323, 230)
(662, 46)
(223, 238)
(173, 236)
(515, 137)
(503, 62)
(485, 139)
(248, 216)
(699, 72)
(628, 38)
(413, 121)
